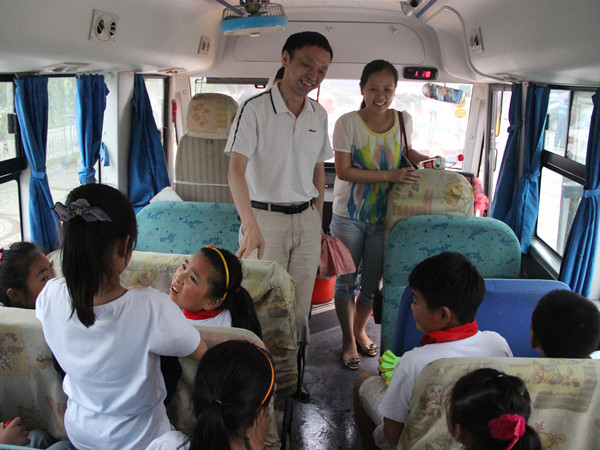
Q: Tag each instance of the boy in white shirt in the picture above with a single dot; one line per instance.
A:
(447, 291)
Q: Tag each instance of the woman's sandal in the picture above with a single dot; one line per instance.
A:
(368, 350)
(351, 362)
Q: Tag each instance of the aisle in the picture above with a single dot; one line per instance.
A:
(327, 422)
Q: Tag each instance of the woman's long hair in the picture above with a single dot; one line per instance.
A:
(233, 384)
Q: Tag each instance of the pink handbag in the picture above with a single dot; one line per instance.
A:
(336, 259)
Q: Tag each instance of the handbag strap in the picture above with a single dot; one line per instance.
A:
(403, 137)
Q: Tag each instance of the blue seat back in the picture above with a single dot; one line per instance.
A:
(506, 309)
(185, 227)
(489, 243)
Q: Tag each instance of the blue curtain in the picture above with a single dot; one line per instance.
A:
(507, 178)
(147, 165)
(527, 195)
(31, 103)
(90, 106)
(580, 252)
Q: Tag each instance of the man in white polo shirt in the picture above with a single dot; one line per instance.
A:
(278, 144)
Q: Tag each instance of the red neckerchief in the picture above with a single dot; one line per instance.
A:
(450, 334)
(202, 314)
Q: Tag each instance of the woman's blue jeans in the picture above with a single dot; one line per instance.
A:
(366, 244)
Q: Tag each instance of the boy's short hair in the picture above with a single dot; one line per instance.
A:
(451, 280)
(305, 38)
(566, 324)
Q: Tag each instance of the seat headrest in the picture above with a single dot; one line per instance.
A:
(210, 116)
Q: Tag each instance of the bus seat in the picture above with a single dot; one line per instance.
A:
(180, 413)
(32, 389)
(489, 243)
(506, 309)
(564, 400)
(200, 164)
(443, 192)
(185, 227)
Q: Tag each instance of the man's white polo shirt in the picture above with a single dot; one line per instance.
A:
(282, 149)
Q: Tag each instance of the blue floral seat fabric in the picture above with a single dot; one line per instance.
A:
(489, 243)
(185, 227)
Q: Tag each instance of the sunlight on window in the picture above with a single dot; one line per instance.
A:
(557, 194)
(438, 128)
(555, 136)
(579, 126)
(499, 135)
(10, 222)
(239, 92)
(156, 93)
(62, 157)
(8, 148)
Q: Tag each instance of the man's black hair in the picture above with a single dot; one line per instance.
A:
(306, 38)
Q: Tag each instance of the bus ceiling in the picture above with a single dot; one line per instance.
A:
(553, 41)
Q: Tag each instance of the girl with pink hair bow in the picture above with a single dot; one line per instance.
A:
(489, 410)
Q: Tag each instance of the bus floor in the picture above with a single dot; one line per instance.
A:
(327, 420)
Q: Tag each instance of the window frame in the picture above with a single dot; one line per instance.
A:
(10, 169)
(560, 164)
(167, 120)
(19, 163)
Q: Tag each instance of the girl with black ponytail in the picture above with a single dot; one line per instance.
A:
(207, 287)
(489, 410)
(107, 338)
(233, 389)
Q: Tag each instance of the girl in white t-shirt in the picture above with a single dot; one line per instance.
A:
(105, 337)
(207, 287)
(233, 390)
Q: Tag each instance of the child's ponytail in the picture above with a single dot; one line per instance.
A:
(226, 284)
(234, 384)
(95, 217)
(243, 314)
(492, 409)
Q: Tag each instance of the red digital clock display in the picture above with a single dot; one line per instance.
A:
(420, 73)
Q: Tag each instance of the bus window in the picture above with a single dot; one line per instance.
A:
(239, 89)
(157, 92)
(8, 144)
(563, 165)
(12, 161)
(579, 126)
(62, 149)
(438, 128)
(499, 135)
(10, 212)
(557, 124)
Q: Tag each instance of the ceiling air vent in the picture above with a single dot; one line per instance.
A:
(104, 26)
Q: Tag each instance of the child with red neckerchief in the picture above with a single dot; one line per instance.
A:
(447, 291)
(489, 410)
(207, 288)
